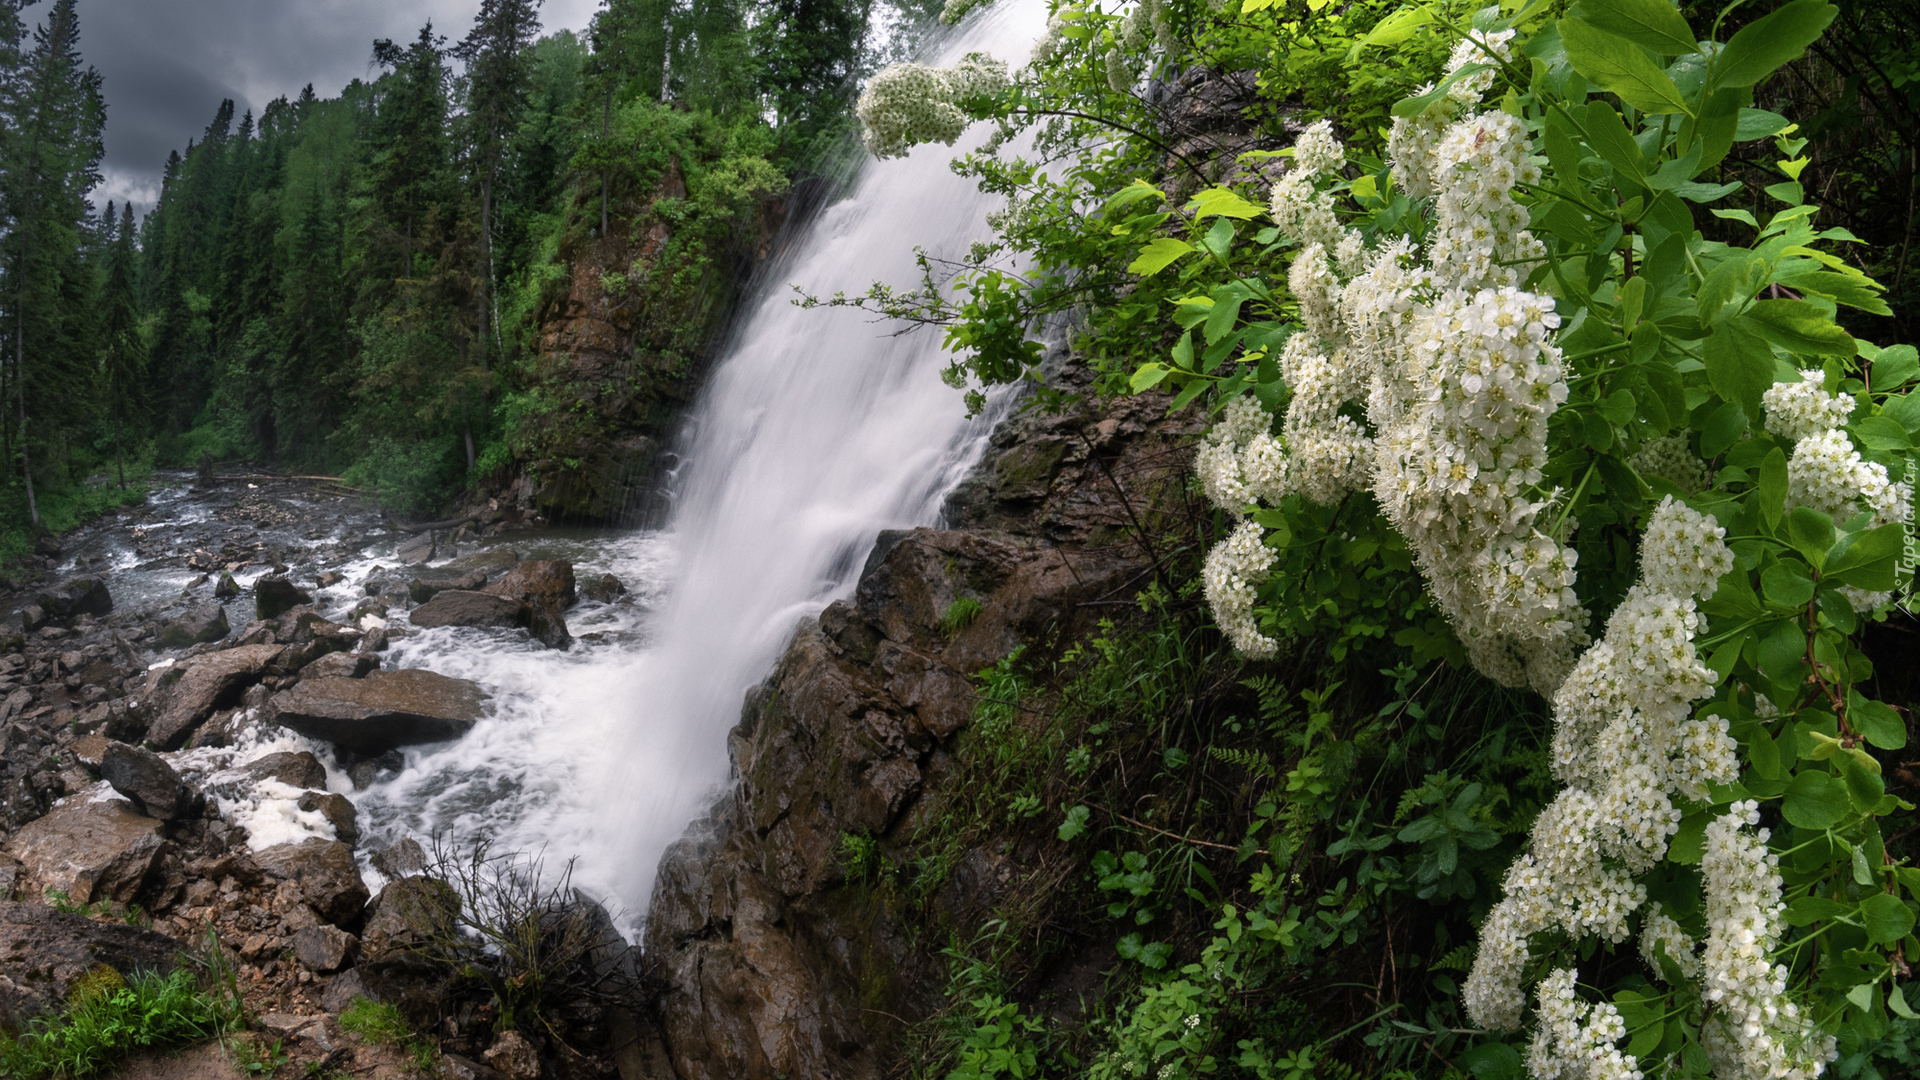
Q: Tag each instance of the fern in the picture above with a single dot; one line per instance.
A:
(1254, 761)
(1459, 958)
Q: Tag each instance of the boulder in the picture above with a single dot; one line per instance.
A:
(274, 595)
(67, 600)
(428, 585)
(605, 589)
(343, 665)
(295, 768)
(226, 588)
(465, 608)
(455, 1067)
(417, 550)
(384, 710)
(513, 1057)
(402, 858)
(339, 812)
(201, 622)
(343, 989)
(409, 911)
(151, 783)
(546, 586)
(324, 949)
(88, 750)
(324, 869)
(185, 694)
(45, 953)
(88, 850)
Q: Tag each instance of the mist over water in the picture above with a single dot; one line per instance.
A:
(817, 430)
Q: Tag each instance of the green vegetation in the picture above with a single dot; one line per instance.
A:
(109, 1018)
(382, 1023)
(1338, 819)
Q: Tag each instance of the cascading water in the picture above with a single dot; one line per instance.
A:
(819, 428)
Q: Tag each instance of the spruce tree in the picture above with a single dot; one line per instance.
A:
(123, 357)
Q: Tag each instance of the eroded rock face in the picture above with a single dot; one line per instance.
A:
(324, 869)
(88, 850)
(43, 953)
(274, 595)
(431, 584)
(384, 710)
(62, 603)
(455, 607)
(546, 587)
(185, 694)
(200, 622)
(776, 965)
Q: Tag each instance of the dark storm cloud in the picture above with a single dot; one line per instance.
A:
(168, 63)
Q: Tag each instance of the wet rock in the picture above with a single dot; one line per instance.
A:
(478, 609)
(294, 768)
(402, 858)
(88, 850)
(201, 622)
(455, 1067)
(342, 665)
(342, 989)
(417, 550)
(407, 913)
(513, 1057)
(606, 588)
(45, 953)
(339, 812)
(185, 694)
(384, 710)
(425, 587)
(87, 749)
(364, 773)
(152, 785)
(546, 586)
(324, 949)
(488, 561)
(274, 595)
(226, 588)
(66, 601)
(329, 578)
(325, 872)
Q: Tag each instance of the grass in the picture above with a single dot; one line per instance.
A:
(379, 1022)
(959, 615)
(109, 1018)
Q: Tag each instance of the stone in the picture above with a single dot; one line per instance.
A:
(67, 601)
(402, 858)
(546, 586)
(365, 772)
(466, 608)
(409, 911)
(430, 584)
(417, 550)
(605, 589)
(513, 1057)
(201, 622)
(325, 872)
(88, 749)
(185, 694)
(226, 588)
(274, 595)
(324, 949)
(342, 665)
(339, 812)
(294, 768)
(455, 1067)
(286, 1025)
(342, 989)
(384, 710)
(88, 850)
(151, 783)
(329, 578)
(44, 953)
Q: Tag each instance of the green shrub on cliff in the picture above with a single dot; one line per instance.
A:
(109, 1018)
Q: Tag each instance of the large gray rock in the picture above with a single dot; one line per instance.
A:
(466, 608)
(324, 949)
(142, 776)
(88, 850)
(65, 601)
(324, 869)
(184, 695)
(273, 596)
(44, 953)
(294, 768)
(342, 665)
(339, 812)
(434, 582)
(200, 622)
(546, 586)
(385, 710)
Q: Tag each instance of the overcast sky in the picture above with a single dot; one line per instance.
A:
(167, 63)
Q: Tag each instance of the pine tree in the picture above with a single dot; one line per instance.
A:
(409, 161)
(123, 357)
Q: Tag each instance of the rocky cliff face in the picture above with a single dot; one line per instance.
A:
(776, 963)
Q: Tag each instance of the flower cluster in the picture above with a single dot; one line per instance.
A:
(1625, 743)
(1233, 571)
(1575, 1040)
(1825, 472)
(905, 104)
(1754, 1032)
(1670, 458)
(1411, 140)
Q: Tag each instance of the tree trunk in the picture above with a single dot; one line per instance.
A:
(469, 437)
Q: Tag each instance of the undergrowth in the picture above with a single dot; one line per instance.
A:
(109, 1018)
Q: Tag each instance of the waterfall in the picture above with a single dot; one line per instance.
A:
(817, 429)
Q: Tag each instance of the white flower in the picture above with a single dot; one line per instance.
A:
(1233, 571)
(907, 104)
(1795, 410)
(1672, 459)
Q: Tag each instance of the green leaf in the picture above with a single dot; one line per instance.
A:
(1399, 26)
(1783, 653)
(1897, 1001)
(1882, 434)
(1740, 365)
(1075, 823)
(1226, 310)
(1807, 910)
(1799, 327)
(1863, 548)
(1653, 24)
(1223, 202)
(1895, 367)
(1131, 194)
(1730, 285)
(1772, 488)
(1887, 917)
(1876, 721)
(1621, 67)
(1815, 801)
(1763, 45)
(1160, 253)
(1786, 585)
(1148, 376)
(1811, 533)
(1706, 193)
(1758, 124)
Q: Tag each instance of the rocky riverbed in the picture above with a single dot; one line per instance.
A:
(195, 695)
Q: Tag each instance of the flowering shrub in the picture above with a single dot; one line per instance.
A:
(1533, 360)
